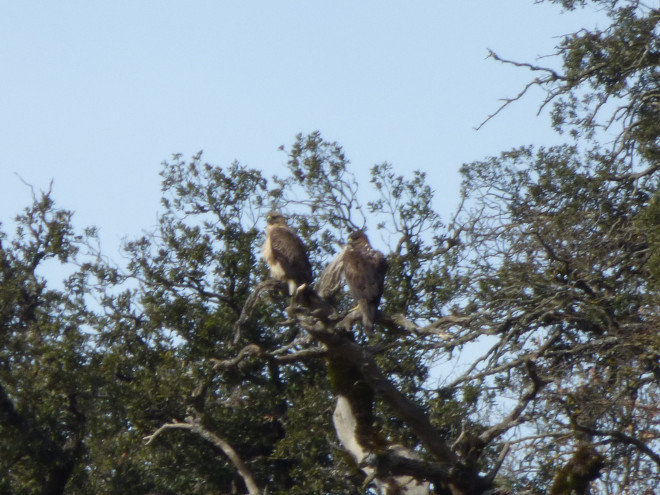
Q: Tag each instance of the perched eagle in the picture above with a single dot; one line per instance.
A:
(364, 271)
(285, 253)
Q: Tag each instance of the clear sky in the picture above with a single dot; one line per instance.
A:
(95, 95)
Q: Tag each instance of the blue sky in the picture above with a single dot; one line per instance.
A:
(95, 95)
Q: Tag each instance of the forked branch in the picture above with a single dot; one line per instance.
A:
(193, 424)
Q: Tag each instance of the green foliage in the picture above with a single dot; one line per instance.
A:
(538, 298)
(565, 263)
(44, 382)
(648, 223)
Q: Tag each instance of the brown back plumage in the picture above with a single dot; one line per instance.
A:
(285, 253)
(364, 271)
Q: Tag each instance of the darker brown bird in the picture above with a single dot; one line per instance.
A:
(364, 271)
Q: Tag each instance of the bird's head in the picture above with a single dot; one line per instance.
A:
(275, 217)
(358, 237)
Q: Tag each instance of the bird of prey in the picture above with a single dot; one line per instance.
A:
(285, 253)
(364, 271)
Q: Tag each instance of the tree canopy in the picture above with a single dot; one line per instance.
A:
(516, 348)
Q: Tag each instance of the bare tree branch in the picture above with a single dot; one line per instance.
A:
(434, 328)
(622, 437)
(512, 418)
(249, 350)
(490, 477)
(407, 410)
(280, 355)
(250, 304)
(551, 77)
(193, 425)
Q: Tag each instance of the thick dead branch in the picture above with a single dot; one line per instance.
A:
(332, 331)
(193, 425)
(249, 350)
(407, 410)
(311, 353)
(393, 463)
(174, 425)
(355, 432)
